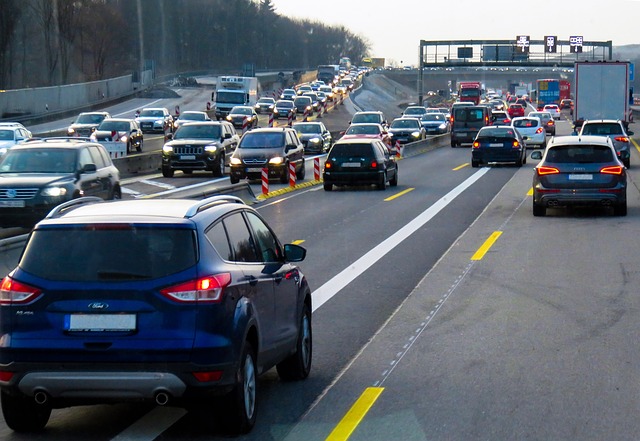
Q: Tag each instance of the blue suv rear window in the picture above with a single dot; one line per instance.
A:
(109, 253)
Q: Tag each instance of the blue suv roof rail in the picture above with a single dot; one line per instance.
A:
(70, 205)
(207, 203)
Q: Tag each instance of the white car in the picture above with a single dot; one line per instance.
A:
(531, 130)
(553, 109)
(12, 134)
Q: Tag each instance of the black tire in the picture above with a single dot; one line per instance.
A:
(524, 158)
(627, 162)
(218, 168)
(474, 163)
(328, 187)
(394, 181)
(519, 162)
(239, 410)
(23, 414)
(128, 147)
(284, 177)
(454, 144)
(298, 365)
(167, 172)
(300, 174)
(233, 179)
(539, 210)
(620, 209)
(382, 184)
(139, 147)
(117, 194)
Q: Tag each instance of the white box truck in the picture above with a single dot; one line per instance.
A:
(234, 91)
(602, 91)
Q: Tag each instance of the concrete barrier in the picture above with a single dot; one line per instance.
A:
(143, 163)
(426, 145)
(242, 190)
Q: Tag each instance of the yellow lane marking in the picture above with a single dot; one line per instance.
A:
(397, 195)
(530, 192)
(461, 166)
(636, 144)
(486, 245)
(356, 414)
(297, 242)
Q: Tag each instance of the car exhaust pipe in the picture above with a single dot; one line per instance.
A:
(606, 203)
(41, 397)
(162, 398)
(552, 203)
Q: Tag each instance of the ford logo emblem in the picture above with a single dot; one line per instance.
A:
(98, 305)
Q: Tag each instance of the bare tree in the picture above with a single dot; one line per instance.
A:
(9, 16)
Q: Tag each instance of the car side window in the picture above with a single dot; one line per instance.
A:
(85, 158)
(268, 246)
(240, 239)
(217, 235)
(98, 160)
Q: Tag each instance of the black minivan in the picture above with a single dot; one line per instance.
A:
(467, 121)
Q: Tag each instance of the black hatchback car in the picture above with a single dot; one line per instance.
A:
(172, 302)
(360, 162)
(498, 145)
(37, 176)
(578, 171)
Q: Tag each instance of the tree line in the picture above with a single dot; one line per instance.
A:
(56, 42)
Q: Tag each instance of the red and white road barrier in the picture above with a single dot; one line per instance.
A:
(271, 120)
(265, 180)
(325, 107)
(316, 169)
(320, 111)
(289, 119)
(305, 115)
(292, 174)
(398, 150)
(245, 124)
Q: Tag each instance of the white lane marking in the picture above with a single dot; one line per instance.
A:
(126, 112)
(186, 187)
(338, 282)
(151, 425)
(158, 184)
(131, 192)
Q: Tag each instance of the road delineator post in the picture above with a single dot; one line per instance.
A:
(316, 169)
(271, 120)
(245, 124)
(289, 119)
(398, 150)
(292, 174)
(265, 181)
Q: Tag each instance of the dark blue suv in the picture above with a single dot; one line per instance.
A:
(151, 300)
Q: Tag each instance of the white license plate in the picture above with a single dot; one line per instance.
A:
(580, 177)
(254, 170)
(496, 144)
(351, 164)
(12, 204)
(462, 134)
(188, 157)
(100, 322)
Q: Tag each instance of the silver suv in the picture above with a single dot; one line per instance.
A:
(614, 130)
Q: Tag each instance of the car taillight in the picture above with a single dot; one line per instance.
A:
(13, 292)
(613, 170)
(544, 170)
(540, 130)
(506, 121)
(550, 122)
(515, 145)
(374, 164)
(621, 138)
(204, 290)
(476, 144)
(327, 165)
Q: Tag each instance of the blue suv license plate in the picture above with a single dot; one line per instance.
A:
(100, 322)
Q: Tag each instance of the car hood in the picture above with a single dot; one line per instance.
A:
(433, 123)
(83, 126)
(363, 136)
(32, 179)
(187, 141)
(263, 154)
(307, 136)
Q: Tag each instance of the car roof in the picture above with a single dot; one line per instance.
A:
(580, 139)
(56, 143)
(602, 121)
(268, 130)
(355, 141)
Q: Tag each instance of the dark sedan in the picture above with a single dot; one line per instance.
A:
(405, 130)
(498, 145)
(239, 114)
(435, 123)
(120, 130)
(577, 171)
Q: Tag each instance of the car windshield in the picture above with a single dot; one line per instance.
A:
(192, 116)
(262, 140)
(405, 124)
(307, 128)
(127, 252)
(602, 129)
(363, 129)
(469, 115)
(365, 118)
(265, 101)
(414, 111)
(496, 135)
(241, 111)
(198, 131)
(152, 113)
(6, 135)
(89, 119)
(53, 160)
(284, 104)
(583, 154)
(109, 126)
(433, 117)
(302, 101)
(351, 150)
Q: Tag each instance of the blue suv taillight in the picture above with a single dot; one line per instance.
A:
(203, 290)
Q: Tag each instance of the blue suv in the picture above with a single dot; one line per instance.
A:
(166, 301)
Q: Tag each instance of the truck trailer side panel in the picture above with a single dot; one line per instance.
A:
(601, 91)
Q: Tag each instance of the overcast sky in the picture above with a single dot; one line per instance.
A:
(394, 28)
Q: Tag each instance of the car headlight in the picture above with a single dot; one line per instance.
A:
(308, 107)
(159, 122)
(275, 111)
(54, 191)
(71, 130)
(315, 140)
(123, 138)
(235, 161)
(415, 134)
(211, 148)
(229, 118)
(277, 160)
(167, 149)
(442, 126)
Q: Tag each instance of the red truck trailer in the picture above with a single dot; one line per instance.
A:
(470, 91)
